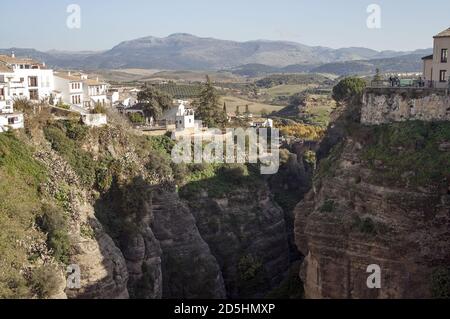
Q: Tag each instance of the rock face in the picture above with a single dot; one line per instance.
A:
(103, 271)
(246, 232)
(398, 105)
(189, 270)
(353, 218)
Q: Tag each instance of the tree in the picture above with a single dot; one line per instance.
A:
(348, 89)
(154, 101)
(377, 77)
(224, 107)
(207, 106)
(238, 112)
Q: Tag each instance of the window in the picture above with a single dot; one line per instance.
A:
(32, 81)
(34, 95)
(443, 76)
(12, 120)
(444, 55)
(2, 92)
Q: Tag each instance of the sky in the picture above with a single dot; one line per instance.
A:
(42, 24)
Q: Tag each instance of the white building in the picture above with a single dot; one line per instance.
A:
(29, 79)
(8, 118)
(70, 87)
(184, 117)
(95, 92)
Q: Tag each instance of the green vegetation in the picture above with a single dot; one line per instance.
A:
(348, 89)
(218, 179)
(136, 118)
(249, 267)
(154, 101)
(368, 226)
(20, 178)
(44, 281)
(328, 206)
(180, 91)
(54, 224)
(70, 149)
(292, 79)
(99, 108)
(208, 107)
(395, 152)
(440, 283)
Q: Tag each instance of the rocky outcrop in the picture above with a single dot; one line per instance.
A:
(246, 232)
(359, 213)
(189, 269)
(103, 271)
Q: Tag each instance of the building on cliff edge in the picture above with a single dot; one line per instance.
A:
(436, 67)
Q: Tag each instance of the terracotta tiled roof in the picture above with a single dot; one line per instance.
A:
(443, 34)
(93, 82)
(5, 69)
(68, 76)
(14, 60)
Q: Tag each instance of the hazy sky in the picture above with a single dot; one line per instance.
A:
(41, 24)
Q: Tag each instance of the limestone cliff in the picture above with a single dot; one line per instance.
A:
(246, 231)
(380, 196)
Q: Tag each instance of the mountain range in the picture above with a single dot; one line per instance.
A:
(183, 51)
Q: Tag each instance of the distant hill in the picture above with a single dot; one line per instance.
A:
(183, 51)
(404, 63)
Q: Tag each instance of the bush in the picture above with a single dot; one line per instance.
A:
(81, 161)
(136, 118)
(440, 283)
(99, 109)
(45, 281)
(235, 172)
(249, 267)
(328, 206)
(53, 222)
(75, 130)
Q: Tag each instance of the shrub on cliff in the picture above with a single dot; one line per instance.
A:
(81, 161)
(53, 223)
(44, 281)
(440, 283)
(348, 89)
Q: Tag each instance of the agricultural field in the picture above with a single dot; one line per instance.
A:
(255, 107)
(288, 89)
(180, 91)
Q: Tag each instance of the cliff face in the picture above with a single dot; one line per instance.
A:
(246, 232)
(382, 196)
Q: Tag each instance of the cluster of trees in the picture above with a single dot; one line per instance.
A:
(154, 102)
(303, 131)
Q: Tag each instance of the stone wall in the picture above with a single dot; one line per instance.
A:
(387, 105)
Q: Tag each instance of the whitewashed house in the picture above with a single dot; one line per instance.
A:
(70, 87)
(185, 117)
(95, 92)
(30, 79)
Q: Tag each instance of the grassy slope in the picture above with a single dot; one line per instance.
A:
(20, 176)
(255, 107)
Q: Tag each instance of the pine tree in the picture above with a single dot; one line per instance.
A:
(207, 106)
